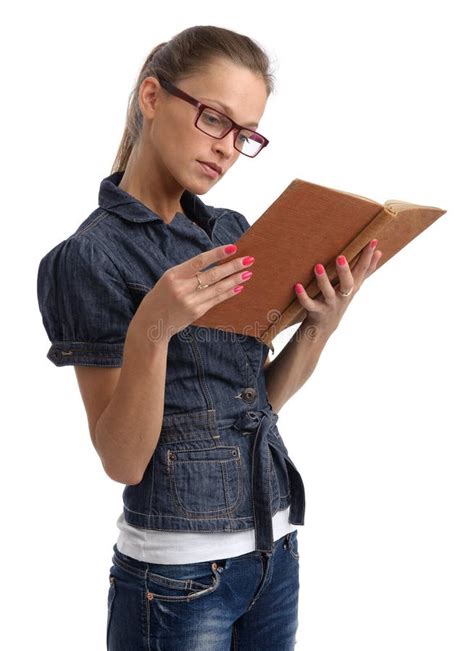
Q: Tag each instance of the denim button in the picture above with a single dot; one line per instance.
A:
(249, 394)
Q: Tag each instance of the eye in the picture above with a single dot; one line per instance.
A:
(212, 119)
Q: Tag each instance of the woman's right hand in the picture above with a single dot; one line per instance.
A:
(175, 302)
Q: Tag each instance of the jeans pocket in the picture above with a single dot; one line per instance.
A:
(292, 544)
(110, 601)
(172, 588)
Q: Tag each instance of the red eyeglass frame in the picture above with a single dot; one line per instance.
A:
(199, 105)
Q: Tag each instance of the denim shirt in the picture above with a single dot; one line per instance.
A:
(220, 463)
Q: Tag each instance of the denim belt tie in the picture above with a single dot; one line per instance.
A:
(260, 422)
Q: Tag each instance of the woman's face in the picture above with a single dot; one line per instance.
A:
(177, 145)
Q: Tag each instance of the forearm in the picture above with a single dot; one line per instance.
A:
(287, 373)
(128, 430)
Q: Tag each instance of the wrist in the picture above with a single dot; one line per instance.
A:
(149, 336)
(314, 329)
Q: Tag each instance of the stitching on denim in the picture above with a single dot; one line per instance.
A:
(201, 514)
(111, 598)
(175, 517)
(191, 597)
(87, 351)
(88, 362)
(147, 610)
(98, 218)
(139, 286)
(200, 435)
(128, 568)
(213, 449)
(179, 584)
(251, 377)
(217, 238)
(150, 503)
(274, 474)
(261, 583)
(227, 481)
(200, 370)
(105, 250)
(168, 582)
(291, 544)
(199, 417)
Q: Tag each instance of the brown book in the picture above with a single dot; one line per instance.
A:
(309, 223)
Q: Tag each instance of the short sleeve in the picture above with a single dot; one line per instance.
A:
(85, 304)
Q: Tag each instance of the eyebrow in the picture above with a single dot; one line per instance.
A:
(227, 109)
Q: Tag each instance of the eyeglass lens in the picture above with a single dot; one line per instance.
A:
(215, 124)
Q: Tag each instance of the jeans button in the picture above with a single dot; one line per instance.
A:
(249, 394)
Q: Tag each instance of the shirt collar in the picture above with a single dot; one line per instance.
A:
(117, 201)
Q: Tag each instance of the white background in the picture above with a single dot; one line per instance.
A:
(373, 98)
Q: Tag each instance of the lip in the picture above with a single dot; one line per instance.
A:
(211, 169)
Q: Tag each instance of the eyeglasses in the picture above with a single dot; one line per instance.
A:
(218, 125)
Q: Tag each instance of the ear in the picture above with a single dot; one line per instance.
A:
(149, 96)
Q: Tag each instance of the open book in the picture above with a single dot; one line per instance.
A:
(306, 224)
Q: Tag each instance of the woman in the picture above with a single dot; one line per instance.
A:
(207, 556)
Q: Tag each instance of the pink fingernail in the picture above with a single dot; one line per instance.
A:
(319, 269)
(298, 288)
(341, 260)
(231, 248)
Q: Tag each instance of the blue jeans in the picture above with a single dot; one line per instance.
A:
(247, 602)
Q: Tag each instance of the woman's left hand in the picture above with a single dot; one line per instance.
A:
(326, 312)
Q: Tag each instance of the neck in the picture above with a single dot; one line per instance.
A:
(144, 180)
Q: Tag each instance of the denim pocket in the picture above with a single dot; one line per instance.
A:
(168, 588)
(205, 481)
(110, 601)
(293, 544)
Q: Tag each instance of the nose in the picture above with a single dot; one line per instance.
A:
(226, 145)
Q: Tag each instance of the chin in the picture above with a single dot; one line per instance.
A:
(201, 187)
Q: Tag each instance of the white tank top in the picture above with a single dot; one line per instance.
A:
(176, 547)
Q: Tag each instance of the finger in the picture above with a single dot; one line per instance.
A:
(305, 300)
(361, 269)
(324, 283)
(221, 291)
(346, 281)
(374, 262)
(218, 273)
(204, 259)
(200, 264)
